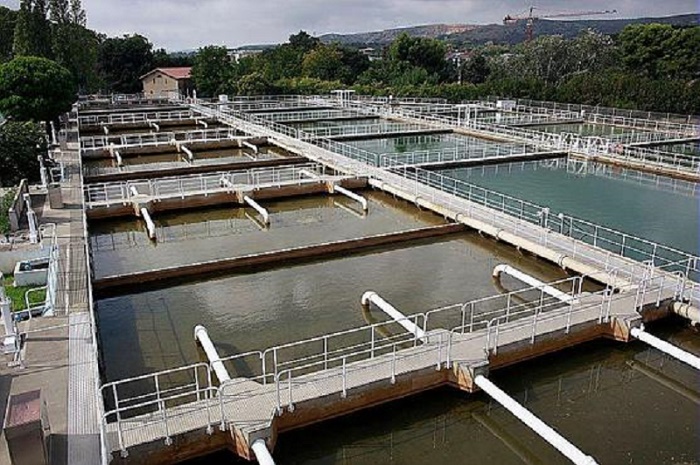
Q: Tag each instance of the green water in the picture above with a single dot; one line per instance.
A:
(417, 143)
(644, 210)
(585, 129)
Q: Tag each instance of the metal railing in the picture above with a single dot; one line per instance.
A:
(384, 350)
(101, 194)
(365, 129)
(607, 111)
(131, 118)
(447, 155)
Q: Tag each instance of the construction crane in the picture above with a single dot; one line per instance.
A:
(531, 18)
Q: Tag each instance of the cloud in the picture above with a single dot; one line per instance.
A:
(185, 24)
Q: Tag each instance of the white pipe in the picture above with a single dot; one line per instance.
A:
(527, 279)
(547, 433)
(201, 335)
(352, 195)
(189, 153)
(150, 225)
(386, 307)
(106, 130)
(665, 347)
(686, 311)
(155, 126)
(262, 453)
(253, 147)
(203, 123)
(309, 174)
(134, 191)
(258, 208)
(118, 156)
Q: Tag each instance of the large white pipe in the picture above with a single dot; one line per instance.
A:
(665, 347)
(118, 156)
(155, 126)
(201, 335)
(150, 225)
(526, 278)
(253, 147)
(258, 208)
(189, 153)
(106, 130)
(262, 453)
(547, 433)
(687, 311)
(203, 123)
(352, 195)
(386, 307)
(134, 191)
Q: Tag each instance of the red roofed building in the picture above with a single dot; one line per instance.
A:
(162, 81)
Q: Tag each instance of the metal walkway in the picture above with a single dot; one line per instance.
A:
(378, 362)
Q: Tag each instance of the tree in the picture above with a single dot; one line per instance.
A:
(21, 143)
(32, 35)
(303, 42)
(77, 14)
(33, 88)
(476, 69)
(76, 48)
(324, 62)
(8, 19)
(428, 54)
(212, 71)
(661, 50)
(254, 84)
(59, 12)
(122, 61)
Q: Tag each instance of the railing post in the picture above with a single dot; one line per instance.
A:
(393, 366)
(345, 379)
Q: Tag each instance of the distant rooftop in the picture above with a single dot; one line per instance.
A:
(175, 73)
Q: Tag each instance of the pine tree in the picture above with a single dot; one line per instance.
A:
(77, 14)
(23, 40)
(59, 11)
(41, 30)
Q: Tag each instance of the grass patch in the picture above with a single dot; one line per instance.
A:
(16, 294)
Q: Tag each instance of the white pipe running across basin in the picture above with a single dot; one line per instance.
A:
(201, 335)
(372, 297)
(687, 311)
(547, 433)
(352, 195)
(665, 347)
(258, 208)
(251, 146)
(526, 278)
(262, 453)
(150, 225)
(189, 153)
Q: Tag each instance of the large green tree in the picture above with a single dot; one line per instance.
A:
(8, 19)
(661, 50)
(121, 61)
(21, 143)
(212, 71)
(33, 88)
(428, 54)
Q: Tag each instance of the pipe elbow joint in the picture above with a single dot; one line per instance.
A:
(367, 297)
(198, 330)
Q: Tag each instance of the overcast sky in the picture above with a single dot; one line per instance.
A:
(188, 24)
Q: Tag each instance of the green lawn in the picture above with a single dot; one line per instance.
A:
(16, 294)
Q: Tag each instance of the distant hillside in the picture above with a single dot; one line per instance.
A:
(500, 34)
